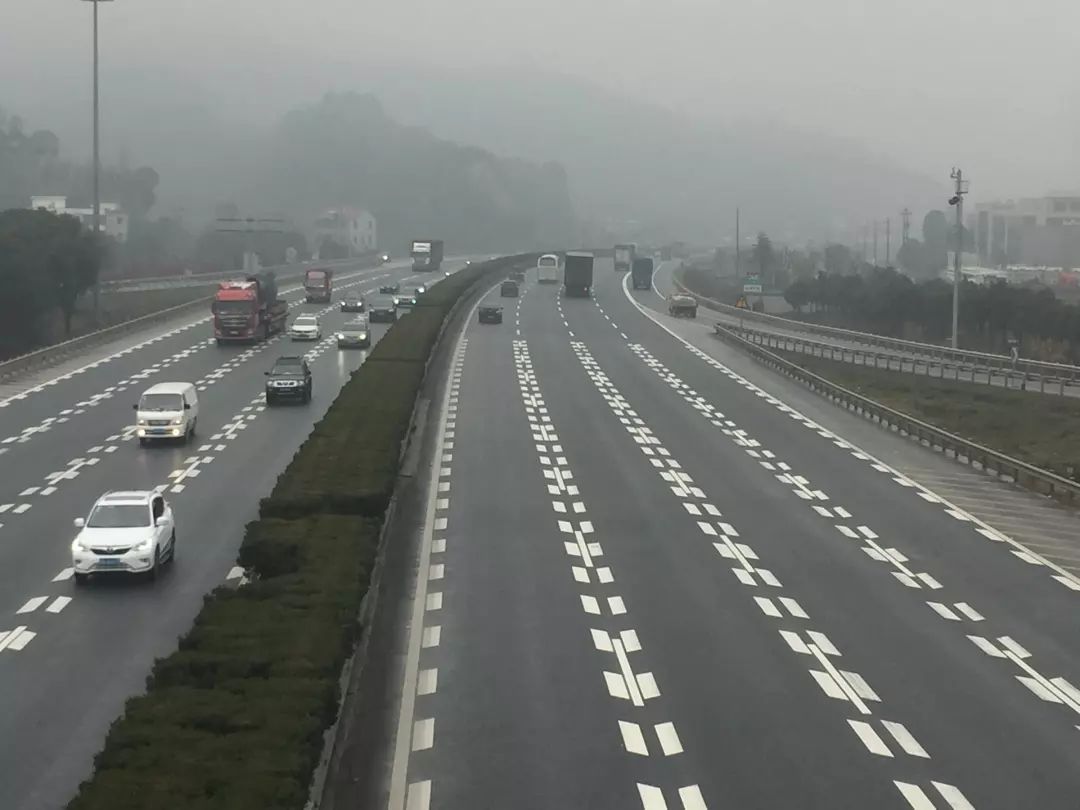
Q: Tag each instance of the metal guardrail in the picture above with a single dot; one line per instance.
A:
(909, 363)
(59, 351)
(999, 362)
(1005, 467)
(202, 279)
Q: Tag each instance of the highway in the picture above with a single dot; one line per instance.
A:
(653, 574)
(70, 657)
(901, 356)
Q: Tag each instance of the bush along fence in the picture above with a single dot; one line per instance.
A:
(235, 718)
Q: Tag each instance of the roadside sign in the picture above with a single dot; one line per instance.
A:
(741, 303)
(748, 288)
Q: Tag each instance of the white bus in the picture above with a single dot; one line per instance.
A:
(547, 269)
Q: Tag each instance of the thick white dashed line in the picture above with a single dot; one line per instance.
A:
(17, 639)
(32, 604)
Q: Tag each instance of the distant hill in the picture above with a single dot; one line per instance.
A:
(344, 150)
(632, 160)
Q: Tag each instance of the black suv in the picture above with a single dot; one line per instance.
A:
(290, 378)
(393, 288)
(352, 302)
(509, 289)
(490, 313)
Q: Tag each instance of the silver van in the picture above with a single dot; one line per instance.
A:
(167, 411)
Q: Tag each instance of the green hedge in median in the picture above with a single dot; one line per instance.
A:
(235, 718)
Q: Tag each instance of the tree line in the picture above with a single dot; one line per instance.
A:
(47, 262)
(991, 317)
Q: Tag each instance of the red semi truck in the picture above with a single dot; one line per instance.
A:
(319, 285)
(248, 310)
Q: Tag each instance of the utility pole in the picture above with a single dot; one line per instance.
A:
(905, 228)
(888, 241)
(957, 200)
(875, 242)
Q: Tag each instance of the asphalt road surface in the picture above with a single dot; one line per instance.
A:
(70, 657)
(653, 574)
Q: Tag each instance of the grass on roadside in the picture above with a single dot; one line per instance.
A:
(1041, 429)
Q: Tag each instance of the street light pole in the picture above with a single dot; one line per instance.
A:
(957, 200)
(96, 216)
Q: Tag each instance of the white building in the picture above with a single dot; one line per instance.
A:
(353, 228)
(1037, 231)
(114, 222)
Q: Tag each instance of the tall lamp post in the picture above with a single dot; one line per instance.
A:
(96, 217)
(957, 200)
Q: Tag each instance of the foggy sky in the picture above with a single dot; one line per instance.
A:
(991, 85)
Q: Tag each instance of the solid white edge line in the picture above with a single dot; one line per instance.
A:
(875, 460)
(399, 787)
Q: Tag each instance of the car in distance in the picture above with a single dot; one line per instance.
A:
(125, 532)
(289, 379)
(680, 305)
(518, 276)
(508, 289)
(409, 296)
(490, 313)
(167, 410)
(393, 288)
(305, 327)
(352, 302)
(382, 309)
(355, 334)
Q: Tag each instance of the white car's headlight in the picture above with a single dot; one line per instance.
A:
(340, 336)
(143, 545)
(140, 422)
(397, 300)
(178, 420)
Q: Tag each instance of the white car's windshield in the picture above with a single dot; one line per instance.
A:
(161, 402)
(119, 516)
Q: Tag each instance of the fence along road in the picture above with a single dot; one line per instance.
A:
(898, 355)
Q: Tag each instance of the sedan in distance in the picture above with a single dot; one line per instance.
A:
(355, 335)
(352, 302)
(391, 288)
(509, 289)
(382, 310)
(305, 327)
(491, 313)
(125, 532)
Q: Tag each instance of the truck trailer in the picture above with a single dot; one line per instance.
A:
(641, 273)
(318, 285)
(248, 310)
(427, 255)
(577, 274)
(624, 257)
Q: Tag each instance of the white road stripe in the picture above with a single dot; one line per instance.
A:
(956, 799)
(794, 608)
(633, 739)
(652, 798)
(423, 734)
(915, 795)
(32, 604)
(58, 604)
(670, 743)
(427, 682)
(905, 740)
(432, 636)
(870, 738)
(434, 601)
(692, 798)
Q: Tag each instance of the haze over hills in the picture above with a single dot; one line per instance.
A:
(624, 160)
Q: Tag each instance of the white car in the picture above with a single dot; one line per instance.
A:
(127, 532)
(305, 327)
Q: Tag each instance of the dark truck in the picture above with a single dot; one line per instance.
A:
(682, 306)
(641, 273)
(318, 285)
(577, 274)
(427, 255)
(249, 309)
(624, 257)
